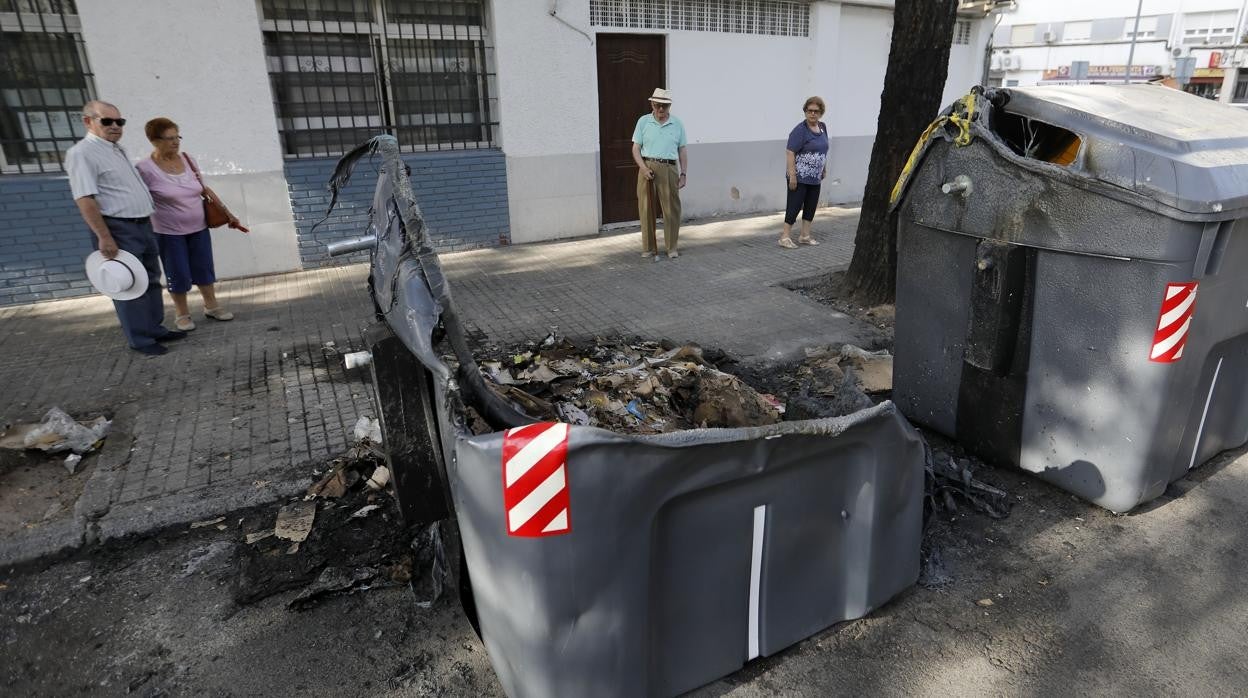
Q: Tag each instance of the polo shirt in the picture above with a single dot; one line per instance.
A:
(101, 169)
(661, 141)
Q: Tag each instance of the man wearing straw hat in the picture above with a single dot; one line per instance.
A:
(115, 204)
(658, 143)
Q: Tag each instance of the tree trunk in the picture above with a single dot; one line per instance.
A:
(918, 64)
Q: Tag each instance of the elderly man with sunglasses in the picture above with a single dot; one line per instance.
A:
(658, 142)
(115, 204)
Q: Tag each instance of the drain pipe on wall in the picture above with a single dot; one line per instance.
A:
(983, 80)
(554, 12)
(1240, 30)
(1135, 33)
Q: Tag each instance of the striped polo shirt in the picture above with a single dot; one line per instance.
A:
(101, 169)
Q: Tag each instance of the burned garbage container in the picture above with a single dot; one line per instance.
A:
(609, 564)
(1070, 293)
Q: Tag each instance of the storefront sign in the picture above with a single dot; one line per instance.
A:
(1105, 72)
(1226, 58)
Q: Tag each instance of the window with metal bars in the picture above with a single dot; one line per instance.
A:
(1240, 95)
(768, 17)
(343, 71)
(962, 32)
(44, 81)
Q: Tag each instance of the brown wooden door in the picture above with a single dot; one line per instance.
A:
(629, 68)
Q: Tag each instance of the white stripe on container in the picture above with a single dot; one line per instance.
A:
(1168, 343)
(1205, 414)
(527, 508)
(756, 577)
(534, 451)
(1179, 311)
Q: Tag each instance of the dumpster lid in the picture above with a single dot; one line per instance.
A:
(1185, 151)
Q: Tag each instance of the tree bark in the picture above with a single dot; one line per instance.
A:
(918, 64)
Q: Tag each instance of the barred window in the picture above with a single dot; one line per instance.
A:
(770, 17)
(44, 81)
(343, 71)
(962, 32)
(1240, 95)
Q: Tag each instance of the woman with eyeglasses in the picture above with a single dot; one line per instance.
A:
(181, 230)
(806, 155)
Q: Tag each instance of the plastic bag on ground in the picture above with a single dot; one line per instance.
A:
(59, 432)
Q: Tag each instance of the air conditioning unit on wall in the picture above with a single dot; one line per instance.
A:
(996, 63)
(1011, 62)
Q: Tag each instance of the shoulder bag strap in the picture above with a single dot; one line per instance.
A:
(194, 169)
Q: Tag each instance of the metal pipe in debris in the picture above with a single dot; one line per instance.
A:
(353, 245)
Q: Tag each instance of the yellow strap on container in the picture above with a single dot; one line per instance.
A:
(962, 139)
(914, 156)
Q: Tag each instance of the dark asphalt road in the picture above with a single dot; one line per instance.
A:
(1082, 602)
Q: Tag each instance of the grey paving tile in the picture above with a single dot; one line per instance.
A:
(264, 389)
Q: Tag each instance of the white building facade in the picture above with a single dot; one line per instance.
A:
(514, 115)
(739, 74)
(1038, 41)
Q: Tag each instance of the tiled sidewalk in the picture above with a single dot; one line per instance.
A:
(231, 416)
(236, 413)
(722, 291)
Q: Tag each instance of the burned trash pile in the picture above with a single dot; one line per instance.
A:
(829, 381)
(951, 477)
(649, 387)
(345, 535)
(639, 387)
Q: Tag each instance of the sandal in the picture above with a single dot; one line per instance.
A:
(808, 241)
(184, 323)
(218, 313)
(788, 244)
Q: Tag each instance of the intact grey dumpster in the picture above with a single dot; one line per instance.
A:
(602, 564)
(1071, 289)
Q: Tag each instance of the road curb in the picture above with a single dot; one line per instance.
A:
(51, 539)
(143, 518)
(96, 519)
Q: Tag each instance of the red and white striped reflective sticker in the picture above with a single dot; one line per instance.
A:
(1175, 321)
(535, 480)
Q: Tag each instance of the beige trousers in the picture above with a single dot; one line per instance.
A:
(667, 190)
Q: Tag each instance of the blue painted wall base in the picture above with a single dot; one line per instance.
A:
(43, 241)
(462, 193)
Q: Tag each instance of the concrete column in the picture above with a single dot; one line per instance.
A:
(548, 112)
(1229, 77)
(202, 65)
